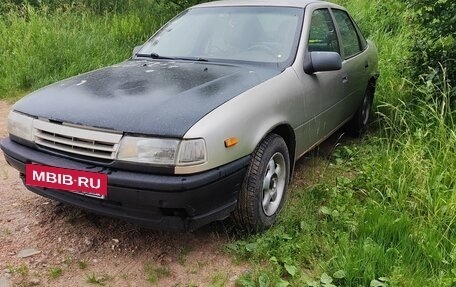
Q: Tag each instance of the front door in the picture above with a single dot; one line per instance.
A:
(323, 91)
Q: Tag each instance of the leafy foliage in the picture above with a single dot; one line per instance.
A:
(434, 38)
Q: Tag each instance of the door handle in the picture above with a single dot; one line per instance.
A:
(345, 79)
(366, 64)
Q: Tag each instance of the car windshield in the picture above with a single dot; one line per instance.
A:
(251, 34)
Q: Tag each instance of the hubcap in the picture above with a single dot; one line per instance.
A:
(274, 184)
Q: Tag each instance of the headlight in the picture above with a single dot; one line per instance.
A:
(20, 125)
(162, 151)
(146, 150)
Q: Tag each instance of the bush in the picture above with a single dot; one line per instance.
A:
(434, 39)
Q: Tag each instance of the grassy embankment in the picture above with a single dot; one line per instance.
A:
(382, 214)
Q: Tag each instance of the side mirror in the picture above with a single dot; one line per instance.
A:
(136, 50)
(322, 62)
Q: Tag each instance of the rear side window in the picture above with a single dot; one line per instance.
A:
(322, 35)
(350, 40)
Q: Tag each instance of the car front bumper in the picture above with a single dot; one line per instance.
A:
(165, 202)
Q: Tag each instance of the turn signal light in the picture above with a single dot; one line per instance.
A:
(231, 142)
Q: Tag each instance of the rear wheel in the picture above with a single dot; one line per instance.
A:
(358, 124)
(264, 188)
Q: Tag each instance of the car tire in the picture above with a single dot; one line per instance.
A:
(357, 126)
(263, 190)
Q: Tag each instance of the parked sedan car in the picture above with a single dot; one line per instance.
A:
(205, 121)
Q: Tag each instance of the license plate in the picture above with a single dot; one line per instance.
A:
(86, 183)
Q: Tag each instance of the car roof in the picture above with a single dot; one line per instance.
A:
(281, 3)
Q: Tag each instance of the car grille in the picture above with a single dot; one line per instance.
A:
(76, 139)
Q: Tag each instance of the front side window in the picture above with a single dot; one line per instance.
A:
(253, 34)
(322, 34)
(350, 40)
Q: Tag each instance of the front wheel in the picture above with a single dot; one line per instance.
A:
(264, 188)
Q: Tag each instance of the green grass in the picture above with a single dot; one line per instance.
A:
(41, 46)
(98, 280)
(182, 258)
(54, 272)
(22, 269)
(82, 264)
(155, 273)
(220, 279)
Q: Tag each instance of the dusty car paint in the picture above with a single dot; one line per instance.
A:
(313, 106)
(160, 98)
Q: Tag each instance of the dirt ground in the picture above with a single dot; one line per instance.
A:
(76, 247)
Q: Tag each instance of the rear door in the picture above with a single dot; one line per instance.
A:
(355, 64)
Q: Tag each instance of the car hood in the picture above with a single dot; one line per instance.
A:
(159, 98)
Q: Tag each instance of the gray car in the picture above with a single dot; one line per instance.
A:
(205, 121)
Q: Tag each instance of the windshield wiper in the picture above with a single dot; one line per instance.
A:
(154, 56)
(193, 59)
(157, 56)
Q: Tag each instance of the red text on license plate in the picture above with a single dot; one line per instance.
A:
(87, 183)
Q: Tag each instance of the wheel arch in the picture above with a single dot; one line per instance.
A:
(372, 85)
(373, 82)
(285, 131)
